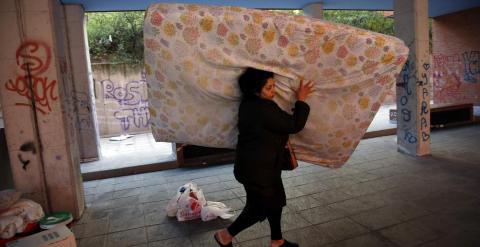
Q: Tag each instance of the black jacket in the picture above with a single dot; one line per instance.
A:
(263, 132)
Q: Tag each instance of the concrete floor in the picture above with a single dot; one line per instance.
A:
(379, 198)
(139, 149)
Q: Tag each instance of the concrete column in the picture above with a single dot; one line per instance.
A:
(83, 83)
(413, 97)
(314, 10)
(37, 97)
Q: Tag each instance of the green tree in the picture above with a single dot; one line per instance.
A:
(116, 37)
(369, 20)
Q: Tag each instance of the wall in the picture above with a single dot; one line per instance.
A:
(121, 99)
(456, 57)
(40, 126)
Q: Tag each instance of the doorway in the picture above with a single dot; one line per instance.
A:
(126, 143)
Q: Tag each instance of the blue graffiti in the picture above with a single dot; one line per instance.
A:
(471, 62)
(410, 137)
(407, 115)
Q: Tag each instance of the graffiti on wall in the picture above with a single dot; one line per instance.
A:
(34, 58)
(454, 76)
(412, 86)
(405, 89)
(25, 149)
(137, 116)
(133, 111)
(84, 120)
(471, 72)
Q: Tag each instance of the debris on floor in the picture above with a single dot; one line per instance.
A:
(189, 203)
(17, 215)
(120, 137)
(22, 222)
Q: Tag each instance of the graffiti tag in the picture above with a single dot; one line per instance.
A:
(34, 59)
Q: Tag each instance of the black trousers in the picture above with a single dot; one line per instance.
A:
(255, 211)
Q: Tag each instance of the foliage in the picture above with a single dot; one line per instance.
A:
(370, 20)
(116, 37)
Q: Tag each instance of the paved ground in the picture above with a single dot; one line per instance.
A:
(139, 149)
(379, 198)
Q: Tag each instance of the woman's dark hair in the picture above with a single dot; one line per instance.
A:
(252, 81)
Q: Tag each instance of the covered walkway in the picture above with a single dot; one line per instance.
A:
(379, 198)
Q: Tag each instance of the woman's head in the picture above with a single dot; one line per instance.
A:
(255, 83)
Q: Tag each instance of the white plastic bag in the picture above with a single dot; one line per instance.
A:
(28, 210)
(187, 203)
(212, 210)
(10, 225)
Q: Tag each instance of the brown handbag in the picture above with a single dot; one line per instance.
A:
(289, 159)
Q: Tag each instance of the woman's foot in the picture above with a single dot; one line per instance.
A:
(223, 238)
(283, 243)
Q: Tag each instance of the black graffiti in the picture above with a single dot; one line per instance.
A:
(26, 147)
(423, 123)
(425, 136)
(424, 92)
(424, 108)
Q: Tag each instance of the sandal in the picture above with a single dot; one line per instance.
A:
(219, 243)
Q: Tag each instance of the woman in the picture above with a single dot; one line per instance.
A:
(263, 133)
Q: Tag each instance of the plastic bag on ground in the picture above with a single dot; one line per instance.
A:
(189, 203)
(212, 210)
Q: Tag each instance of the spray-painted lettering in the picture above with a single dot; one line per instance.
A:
(34, 59)
(84, 119)
(137, 116)
(133, 107)
(453, 76)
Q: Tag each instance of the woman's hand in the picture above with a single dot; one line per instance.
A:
(304, 90)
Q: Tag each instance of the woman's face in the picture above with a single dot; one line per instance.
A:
(268, 90)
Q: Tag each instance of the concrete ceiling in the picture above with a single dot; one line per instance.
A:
(436, 7)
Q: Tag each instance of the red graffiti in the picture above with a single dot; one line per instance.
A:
(34, 59)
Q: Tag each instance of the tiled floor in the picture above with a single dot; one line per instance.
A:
(379, 198)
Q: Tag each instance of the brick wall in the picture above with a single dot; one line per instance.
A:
(456, 57)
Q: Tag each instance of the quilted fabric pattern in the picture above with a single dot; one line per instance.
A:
(195, 53)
